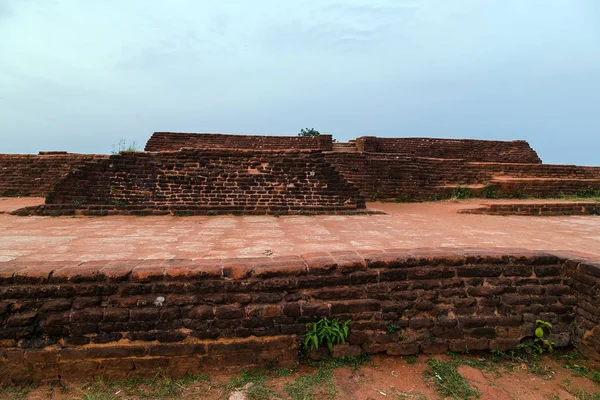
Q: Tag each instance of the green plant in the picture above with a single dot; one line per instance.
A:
(411, 360)
(326, 332)
(489, 193)
(461, 192)
(122, 146)
(309, 132)
(79, 203)
(542, 330)
(391, 328)
(375, 197)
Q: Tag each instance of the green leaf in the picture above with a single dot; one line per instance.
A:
(539, 332)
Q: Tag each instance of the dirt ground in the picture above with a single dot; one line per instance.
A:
(558, 376)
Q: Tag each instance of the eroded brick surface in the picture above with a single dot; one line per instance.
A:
(457, 301)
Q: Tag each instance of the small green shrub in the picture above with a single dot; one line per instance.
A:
(542, 330)
(391, 328)
(461, 192)
(489, 193)
(309, 132)
(326, 332)
(589, 192)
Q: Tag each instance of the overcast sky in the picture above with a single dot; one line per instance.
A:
(79, 75)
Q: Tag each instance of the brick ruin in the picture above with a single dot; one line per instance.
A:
(211, 181)
(186, 173)
(123, 319)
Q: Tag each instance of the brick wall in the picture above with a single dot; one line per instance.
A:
(585, 276)
(205, 181)
(394, 176)
(517, 151)
(164, 141)
(125, 319)
(34, 175)
(542, 209)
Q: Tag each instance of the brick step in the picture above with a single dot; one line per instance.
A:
(543, 187)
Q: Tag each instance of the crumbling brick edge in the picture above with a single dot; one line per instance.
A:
(121, 319)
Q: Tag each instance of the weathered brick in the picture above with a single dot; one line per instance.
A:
(229, 311)
(402, 349)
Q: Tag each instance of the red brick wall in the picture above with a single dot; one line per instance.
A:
(391, 176)
(206, 181)
(125, 319)
(35, 175)
(543, 209)
(162, 141)
(517, 151)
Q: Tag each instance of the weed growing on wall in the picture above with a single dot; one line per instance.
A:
(489, 193)
(326, 332)
(461, 192)
(122, 146)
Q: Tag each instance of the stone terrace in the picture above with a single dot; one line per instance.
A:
(406, 226)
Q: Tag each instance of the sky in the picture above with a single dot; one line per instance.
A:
(82, 75)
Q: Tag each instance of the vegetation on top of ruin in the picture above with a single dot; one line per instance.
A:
(123, 146)
(309, 132)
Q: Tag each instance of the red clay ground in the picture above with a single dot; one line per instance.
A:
(406, 226)
(381, 378)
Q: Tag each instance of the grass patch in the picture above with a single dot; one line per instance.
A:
(255, 384)
(320, 385)
(579, 394)
(14, 392)
(159, 387)
(411, 360)
(448, 382)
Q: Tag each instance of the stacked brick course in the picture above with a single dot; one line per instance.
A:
(172, 141)
(393, 176)
(545, 209)
(125, 319)
(516, 151)
(207, 181)
(35, 175)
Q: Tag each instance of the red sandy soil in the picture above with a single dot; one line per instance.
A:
(383, 377)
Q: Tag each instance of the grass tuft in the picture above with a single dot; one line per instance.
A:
(448, 382)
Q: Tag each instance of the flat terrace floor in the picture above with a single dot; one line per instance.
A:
(406, 226)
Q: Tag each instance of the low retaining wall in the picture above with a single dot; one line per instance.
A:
(544, 209)
(35, 175)
(196, 182)
(394, 176)
(125, 319)
(516, 151)
(173, 141)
